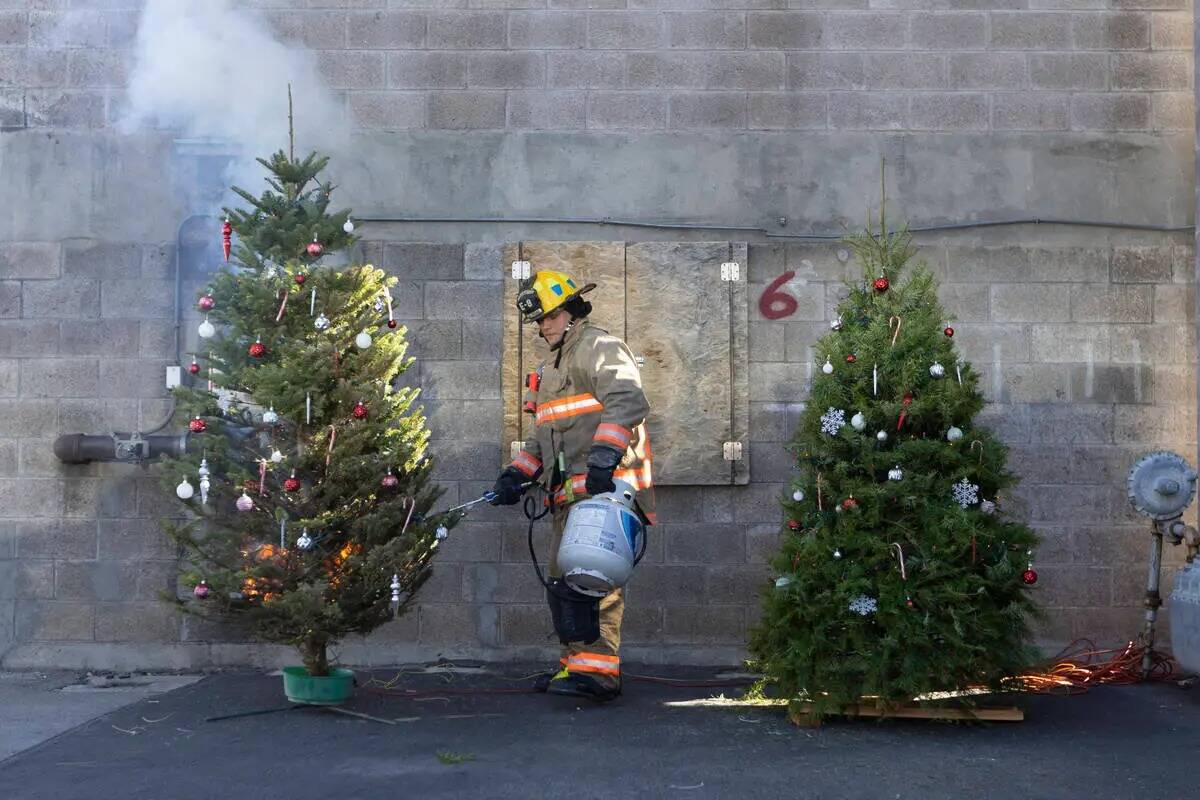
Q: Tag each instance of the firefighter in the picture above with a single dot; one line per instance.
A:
(588, 412)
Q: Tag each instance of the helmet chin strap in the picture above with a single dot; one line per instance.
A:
(557, 347)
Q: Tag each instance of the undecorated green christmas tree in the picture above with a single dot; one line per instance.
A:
(899, 574)
(307, 475)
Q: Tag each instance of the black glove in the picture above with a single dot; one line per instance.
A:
(508, 489)
(601, 462)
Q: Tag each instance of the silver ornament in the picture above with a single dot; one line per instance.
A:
(270, 417)
(895, 473)
(184, 490)
(276, 456)
(937, 370)
(954, 434)
(881, 436)
(380, 305)
(782, 582)
(206, 329)
(798, 495)
(321, 322)
(835, 324)
(837, 553)
(348, 226)
(442, 532)
(304, 542)
(828, 368)
(858, 421)
(987, 507)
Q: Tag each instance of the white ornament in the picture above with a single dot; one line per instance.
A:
(203, 471)
(937, 370)
(204, 487)
(864, 605)
(966, 493)
(881, 436)
(380, 305)
(270, 417)
(442, 532)
(858, 421)
(954, 434)
(798, 495)
(836, 324)
(185, 490)
(304, 541)
(362, 341)
(206, 329)
(895, 473)
(348, 227)
(987, 507)
(958, 365)
(276, 456)
(828, 368)
(244, 503)
(321, 322)
(782, 582)
(833, 420)
(837, 553)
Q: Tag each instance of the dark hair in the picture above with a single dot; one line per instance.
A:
(577, 307)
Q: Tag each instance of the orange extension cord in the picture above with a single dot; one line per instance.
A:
(1080, 666)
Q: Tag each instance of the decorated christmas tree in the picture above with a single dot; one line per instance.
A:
(899, 574)
(307, 476)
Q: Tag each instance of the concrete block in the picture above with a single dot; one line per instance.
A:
(136, 540)
(66, 29)
(352, 69)
(47, 620)
(445, 585)
(1030, 30)
(500, 583)
(388, 110)
(463, 300)
(957, 111)
(956, 30)
(1151, 344)
(484, 262)
(695, 543)
(56, 538)
(316, 30)
(1068, 70)
(1147, 426)
(677, 504)
(768, 422)
(13, 110)
(445, 623)
(1112, 303)
(14, 28)
(987, 71)
(27, 580)
(778, 382)
(36, 260)
(104, 497)
(1185, 262)
(763, 543)
(385, 30)
(626, 30)
(708, 110)
(1074, 586)
(456, 460)
(866, 31)
(1031, 303)
(1151, 71)
(59, 377)
(9, 377)
(433, 339)
(593, 4)
(706, 30)
(102, 338)
(704, 624)
(665, 71)
(767, 341)
(460, 380)
(993, 343)
(1071, 342)
(506, 70)
(547, 110)
(123, 26)
(627, 110)
(752, 71)
(45, 69)
(964, 301)
(97, 69)
(867, 110)
(766, 261)
(141, 299)
(13, 68)
(825, 71)
(94, 580)
(527, 624)
(770, 461)
(424, 261)
(35, 459)
(91, 415)
(422, 70)
(8, 540)
(1173, 111)
(1021, 111)
(759, 503)
(137, 622)
(733, 585)
(1111, 383)
(1032, 383)
(10, 299)
(1081, 264)
(1110, 111)
(26, 418)
(785, 30)
(1174, 303)
(61, 299)
(655, 584)
(1111, 31)
(1147, 264)
(133, 377)
(155, 340)
(465, 110)
(464, 419)
(468, 30)
(482, 339)
(905, 71)
(810, 297)
(588, 70)
(1170, 30)
(158, 261)
(546, 30)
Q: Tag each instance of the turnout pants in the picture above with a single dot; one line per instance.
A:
(600, 659)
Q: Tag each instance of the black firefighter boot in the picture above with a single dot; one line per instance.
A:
(580, 684)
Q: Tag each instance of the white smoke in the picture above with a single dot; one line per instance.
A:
(212, 71)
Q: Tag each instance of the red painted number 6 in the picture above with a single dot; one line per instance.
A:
(774, 304)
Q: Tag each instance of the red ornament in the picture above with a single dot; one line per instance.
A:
(197, 425)
(201, 590)
(206, 303)
(315, 248)
(360, 410)
(849, 503)
(292, 484)
(948, 331)
(905, 403)
(227, 238)
(392, 323)
(301, 278)
(881, 284)
(850, 359)
(390, 481)
(258, 350)
(194, 368)
(1029, 577)
(793, 524)
(908, 602)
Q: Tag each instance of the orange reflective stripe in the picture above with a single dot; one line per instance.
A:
(527, 464)
(597, 663)
(639, 477)
(616, 435)
(568, 407)
(578, 486)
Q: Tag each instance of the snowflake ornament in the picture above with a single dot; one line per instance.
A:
(863, 605)
(966, 493)
(833, 420)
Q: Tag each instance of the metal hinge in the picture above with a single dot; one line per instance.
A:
(733, 451)
(520, 270)
(731, 271)
(640, 361)
(514, 450)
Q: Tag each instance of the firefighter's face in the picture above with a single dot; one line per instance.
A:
(552, 325)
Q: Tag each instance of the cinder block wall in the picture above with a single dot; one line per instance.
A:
(733, 113)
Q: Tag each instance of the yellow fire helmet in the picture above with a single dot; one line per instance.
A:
(546, 291)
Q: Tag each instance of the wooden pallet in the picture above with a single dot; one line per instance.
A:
(800, 712)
